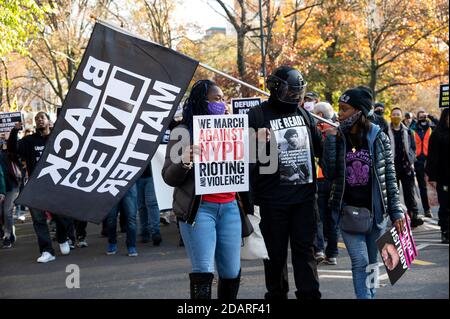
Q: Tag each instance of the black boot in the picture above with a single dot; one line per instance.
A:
(227, 289)
(415, 220)
(201, 285)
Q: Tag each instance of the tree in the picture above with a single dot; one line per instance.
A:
(59, 46)
(242, 23)
(399, 32)
(154, 18)
(19, 21)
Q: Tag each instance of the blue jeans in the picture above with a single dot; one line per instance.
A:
(147, 206)
(128, 206)
(326, 227)
(215, 236)
(363, 252)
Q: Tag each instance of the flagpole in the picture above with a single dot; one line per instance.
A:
(203, 65)
(321, 119)
(233, 78)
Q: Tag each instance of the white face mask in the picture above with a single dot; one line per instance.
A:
(309, 106)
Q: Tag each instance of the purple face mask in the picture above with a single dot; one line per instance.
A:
(216, 108)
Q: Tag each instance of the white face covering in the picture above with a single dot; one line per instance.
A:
(309, 106)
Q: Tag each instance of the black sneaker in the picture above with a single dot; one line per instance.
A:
(416, 222)
(444, 237)
(145, 238)
(428, 214)
(156, 238)
(12, 238)
(7, 243)
(320, 256)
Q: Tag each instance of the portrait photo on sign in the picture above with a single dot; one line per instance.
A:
(294, 156)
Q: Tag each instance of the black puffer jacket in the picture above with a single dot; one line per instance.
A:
(385, 194)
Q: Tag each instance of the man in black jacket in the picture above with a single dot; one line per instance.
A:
(287, 197)
(378, 117)
(403, 150)
(30, 148)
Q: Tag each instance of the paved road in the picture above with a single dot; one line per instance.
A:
(162, 272)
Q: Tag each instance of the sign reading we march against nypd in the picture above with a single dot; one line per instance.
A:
(222, 163)
(119, 105)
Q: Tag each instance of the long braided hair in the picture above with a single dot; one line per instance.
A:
(196, 103)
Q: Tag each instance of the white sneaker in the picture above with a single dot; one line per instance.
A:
(22, 218)
(46, 257)
(65, 248)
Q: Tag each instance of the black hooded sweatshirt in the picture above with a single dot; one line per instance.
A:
(29, 148)
(294, 181)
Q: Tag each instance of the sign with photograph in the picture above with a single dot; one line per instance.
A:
(398, 251)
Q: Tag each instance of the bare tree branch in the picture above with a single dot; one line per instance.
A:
(407, 83)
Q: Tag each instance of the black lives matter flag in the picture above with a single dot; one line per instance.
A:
(119, 105)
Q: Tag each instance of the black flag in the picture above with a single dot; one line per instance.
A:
(122, 99)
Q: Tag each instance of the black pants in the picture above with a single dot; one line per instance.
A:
(327, 229)
(297, 224)
(442, 192)
(408, 193)
(79, 227)
(42, 232)
(419, 167)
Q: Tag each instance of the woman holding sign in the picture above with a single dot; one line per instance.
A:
(210, 224)
(358, 159)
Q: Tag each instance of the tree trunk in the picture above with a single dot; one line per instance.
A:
(240, 54)
(373, 76)
(8, 99)
(330, 84)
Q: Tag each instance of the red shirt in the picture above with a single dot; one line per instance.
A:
(220, 198)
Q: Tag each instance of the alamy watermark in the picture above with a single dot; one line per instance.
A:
(73, 279)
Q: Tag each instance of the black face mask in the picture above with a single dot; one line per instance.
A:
(379, 112)
(283, 107)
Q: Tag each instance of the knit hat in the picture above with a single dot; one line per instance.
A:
(360, 98)
(312, 95)
(379, 104)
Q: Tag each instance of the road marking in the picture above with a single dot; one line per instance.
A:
(427, 240)
(335, 271)
(422, 262)
(383, 277)
(429, 226)
(431, 221)
(341, 245)
(335, 277)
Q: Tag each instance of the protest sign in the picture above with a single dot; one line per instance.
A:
(443, 96)
(222, 165)
(243, 105)
(9, 120)
(398, 251)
